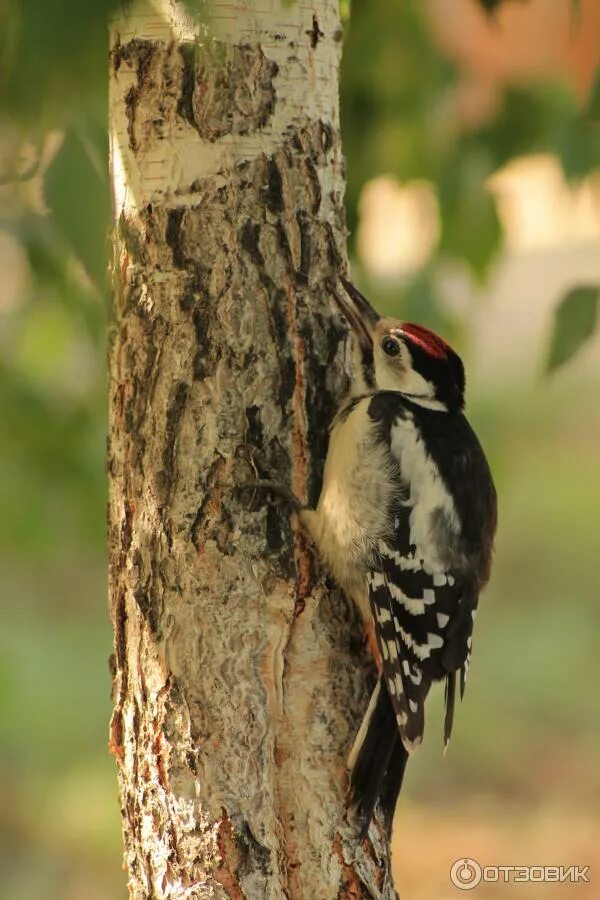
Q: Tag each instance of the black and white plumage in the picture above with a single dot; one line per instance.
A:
(405, 520)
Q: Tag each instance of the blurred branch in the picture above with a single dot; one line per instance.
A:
(18, 177)
(490, 6)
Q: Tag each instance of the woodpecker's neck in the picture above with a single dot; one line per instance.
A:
(425, 401)
(360, 391)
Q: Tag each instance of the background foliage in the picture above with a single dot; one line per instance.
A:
(527, 736)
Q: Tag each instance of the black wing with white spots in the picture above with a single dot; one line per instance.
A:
(424, 608)
(422, 633)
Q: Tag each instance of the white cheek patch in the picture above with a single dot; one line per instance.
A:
(397, 374)
(416, 384)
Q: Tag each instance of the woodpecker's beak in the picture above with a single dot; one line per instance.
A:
(359, 313)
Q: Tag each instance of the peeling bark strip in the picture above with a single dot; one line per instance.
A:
(239, 680)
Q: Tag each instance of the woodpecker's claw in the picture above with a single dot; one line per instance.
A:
(269, 484)
(255, 457)
(264, 481)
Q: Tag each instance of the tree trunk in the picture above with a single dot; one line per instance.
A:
(239, 677)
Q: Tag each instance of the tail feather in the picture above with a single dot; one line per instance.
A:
(393, 782)
(450, 696)
(377, 761)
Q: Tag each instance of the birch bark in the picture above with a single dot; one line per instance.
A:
(239, 676)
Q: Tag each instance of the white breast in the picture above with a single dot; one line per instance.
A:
(428, 495)
(352, 513)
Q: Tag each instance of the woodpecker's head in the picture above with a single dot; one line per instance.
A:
(400, 356)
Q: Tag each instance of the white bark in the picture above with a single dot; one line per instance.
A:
(239, 679)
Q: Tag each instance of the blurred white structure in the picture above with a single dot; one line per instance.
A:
(399, 225)
(552, 243)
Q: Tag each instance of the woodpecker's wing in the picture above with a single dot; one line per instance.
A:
(423, 624)
(423, 602)
(428, 568)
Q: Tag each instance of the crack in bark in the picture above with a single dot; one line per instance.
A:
(168, 476)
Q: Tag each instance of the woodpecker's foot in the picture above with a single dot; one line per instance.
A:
(263, 479)
(255, 457)
(276, 487)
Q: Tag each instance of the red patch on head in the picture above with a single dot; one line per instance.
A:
(427, 340)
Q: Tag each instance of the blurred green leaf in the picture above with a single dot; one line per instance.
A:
(77, 193)
(51, 456)
(421, 301)
(398, 117)
(471, 228)
(52, 57)
(542, 118)
(50, 259)
(574, 322)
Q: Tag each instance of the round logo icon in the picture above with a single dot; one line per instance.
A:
(465, 874)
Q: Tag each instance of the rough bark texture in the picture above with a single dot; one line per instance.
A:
(239, 675)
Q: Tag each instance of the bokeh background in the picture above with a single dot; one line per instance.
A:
(473, 158)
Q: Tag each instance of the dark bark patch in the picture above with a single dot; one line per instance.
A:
(192, 761)
(126, 531)
(139, 54)
(320, 412)
(202, 367)
(315, 32)
(303, 273)
(277, 304)
(273, 194)
(174, 413)
(249, 237)
(136, 53)
(315, 185)
(115, 54)
(335, 256)
(252, 854)
(321, 342)
(284, 244)
(254, 430)
(185, 104)
(173, 236)
(287, 381)
(226, 90)
(327, 136)
(187, 302)
(120, 619)
(274, 533)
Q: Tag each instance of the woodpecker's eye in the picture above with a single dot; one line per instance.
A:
(390, 346)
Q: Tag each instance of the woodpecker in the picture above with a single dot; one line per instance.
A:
(405, 522)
